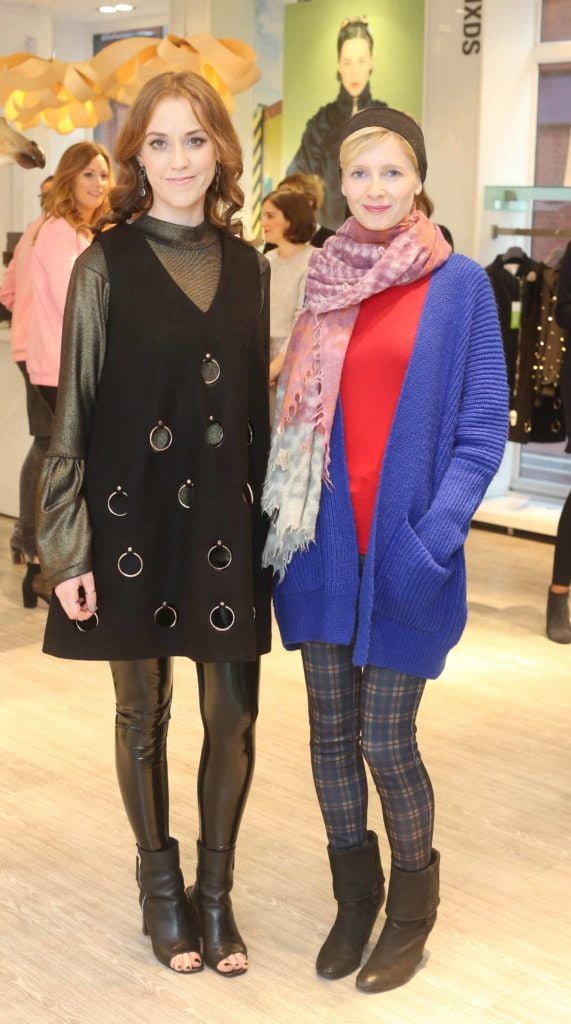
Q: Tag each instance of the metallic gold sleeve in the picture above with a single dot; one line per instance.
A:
(63, 529)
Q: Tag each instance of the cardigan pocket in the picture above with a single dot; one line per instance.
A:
(410, 587)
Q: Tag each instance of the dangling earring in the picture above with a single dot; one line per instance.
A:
(142, 181)
(217, 176)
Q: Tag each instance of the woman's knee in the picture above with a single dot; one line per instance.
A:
(143, 691)
(229, 698)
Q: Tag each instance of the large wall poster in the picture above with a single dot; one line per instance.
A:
(337, 60)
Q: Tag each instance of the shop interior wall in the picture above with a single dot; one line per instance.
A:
(479, 112)
(71, 39)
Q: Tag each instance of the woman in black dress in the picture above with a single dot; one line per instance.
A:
(150, 528)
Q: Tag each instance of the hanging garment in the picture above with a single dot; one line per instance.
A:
(543, 335)
(513, 299)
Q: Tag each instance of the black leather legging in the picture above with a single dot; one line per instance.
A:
(562, 556)
(228, 693)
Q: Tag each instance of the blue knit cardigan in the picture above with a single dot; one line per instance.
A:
(445, 445)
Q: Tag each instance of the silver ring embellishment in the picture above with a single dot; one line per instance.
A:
(214, 433)
(248, 494)
(136, 563)
(250, 433)
(88, 624)
(222, 617)
(117, 501)
(166, 615)
(186, 493)
(210, 369)
(160, 437)
(219, 556)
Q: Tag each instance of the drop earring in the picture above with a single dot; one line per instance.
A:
(217, 176)
(142, 181)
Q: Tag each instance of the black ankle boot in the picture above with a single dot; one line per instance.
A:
(411, 913)
(358, 887)
(164, 906)
(33, 586)
(211, 906)
(558, 625)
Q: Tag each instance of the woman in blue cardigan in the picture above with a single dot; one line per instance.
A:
(392, 421)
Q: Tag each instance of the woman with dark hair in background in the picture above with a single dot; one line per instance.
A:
(558, 624)
(424, 203)
(313, 188)
(150, 528)
(392, 421)
(319, 149)
(288, 223)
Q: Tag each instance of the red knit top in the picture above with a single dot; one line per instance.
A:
(375, 366)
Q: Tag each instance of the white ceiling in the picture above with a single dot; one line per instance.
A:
(86, 10)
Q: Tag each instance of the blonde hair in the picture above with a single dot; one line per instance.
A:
(224, 198)
(60, 200)
(361, 140)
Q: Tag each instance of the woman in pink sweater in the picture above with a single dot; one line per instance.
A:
(77, 199)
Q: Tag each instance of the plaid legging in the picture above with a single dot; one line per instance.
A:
(368, 714)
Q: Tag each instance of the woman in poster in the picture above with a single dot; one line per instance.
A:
(393, 421)
(150, 528)
(319, 149)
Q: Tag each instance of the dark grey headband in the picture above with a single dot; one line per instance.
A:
(393, 121)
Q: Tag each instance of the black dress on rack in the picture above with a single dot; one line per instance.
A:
(509, 289)
(545, 342)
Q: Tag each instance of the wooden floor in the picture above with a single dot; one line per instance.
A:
(494, 731)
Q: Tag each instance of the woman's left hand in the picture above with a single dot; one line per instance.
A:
(78, 597)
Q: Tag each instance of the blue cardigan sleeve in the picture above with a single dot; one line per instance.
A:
(480, 433)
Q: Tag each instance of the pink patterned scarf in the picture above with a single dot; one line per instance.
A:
(353, 265)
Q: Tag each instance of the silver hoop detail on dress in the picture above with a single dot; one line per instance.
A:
(185, 493)
(222, 617)
(159, 433)
(210, 369)
(119, 494)
(219, 556)
(166, 615)
(129, 553)
(85, 626)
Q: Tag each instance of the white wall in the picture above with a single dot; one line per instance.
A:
(19, 188)
(451, 119)
(479, 114)
(508, 107)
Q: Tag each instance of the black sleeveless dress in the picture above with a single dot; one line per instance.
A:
(175, 467)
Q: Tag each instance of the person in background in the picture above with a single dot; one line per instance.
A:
(558, 626)
(16, 295)
(319, 148)
(74, 203)
(313, 188)
(44, 189)
(150, 527)
(288, 223)
(424, 203)
(391, 421)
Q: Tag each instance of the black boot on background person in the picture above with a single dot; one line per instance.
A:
(411, 913)
(358, 887)
(558, 625)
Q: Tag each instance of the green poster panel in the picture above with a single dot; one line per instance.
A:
(311, 68)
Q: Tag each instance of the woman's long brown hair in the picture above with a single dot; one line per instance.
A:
(60, 200)
(223, 199)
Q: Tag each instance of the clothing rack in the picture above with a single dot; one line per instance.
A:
(532, 232)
